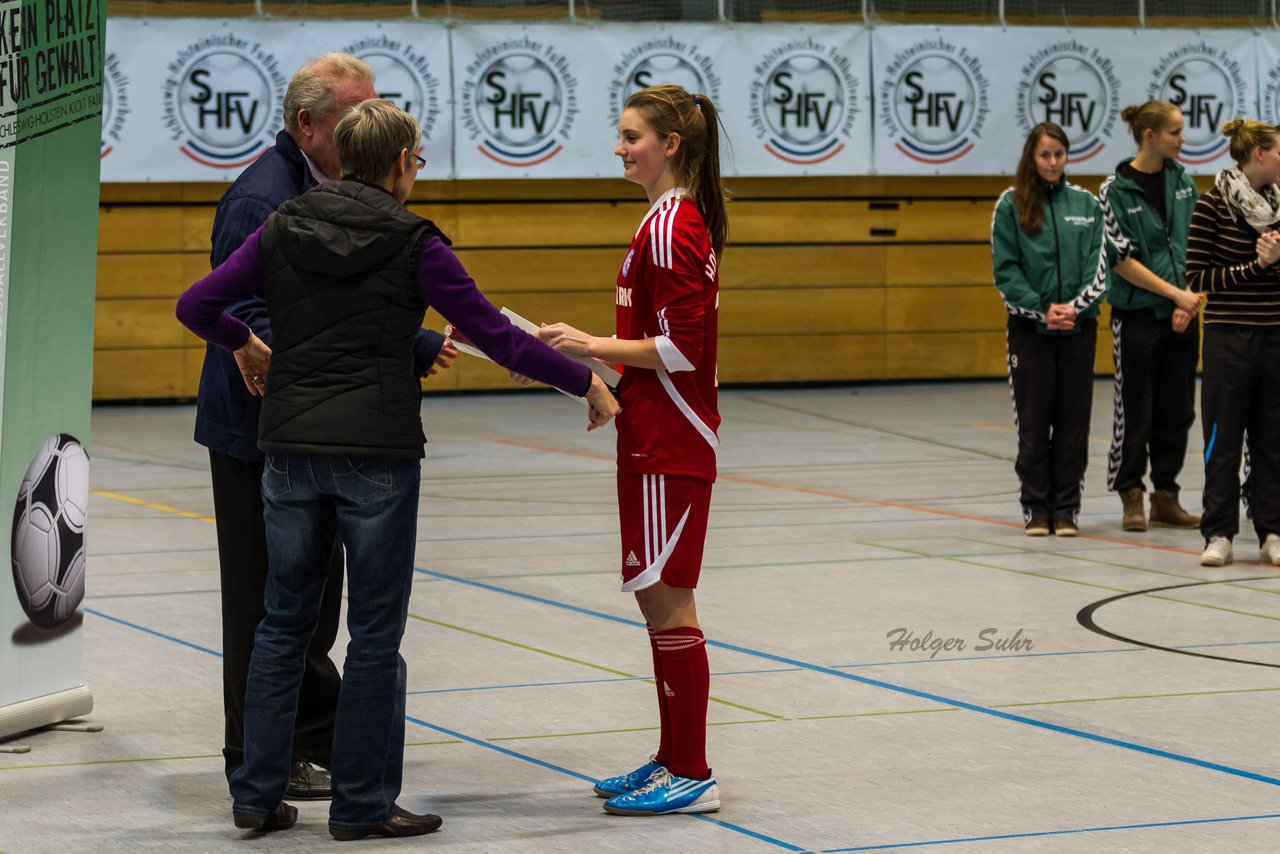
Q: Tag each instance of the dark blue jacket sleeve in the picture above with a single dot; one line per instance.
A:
(236, 219)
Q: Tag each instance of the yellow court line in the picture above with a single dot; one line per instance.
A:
(110, 762)
(710, 723)
(578, 661)
(1079, 583)
(164, 508)
(614, 731)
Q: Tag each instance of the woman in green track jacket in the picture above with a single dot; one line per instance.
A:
(1050, 260)
(1148, 204)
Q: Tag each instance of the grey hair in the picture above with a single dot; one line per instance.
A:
(312, 88)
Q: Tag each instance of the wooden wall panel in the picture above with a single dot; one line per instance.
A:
(160, 275)
(943, 309)
(801, 358)
(845, 278)
(926, 355)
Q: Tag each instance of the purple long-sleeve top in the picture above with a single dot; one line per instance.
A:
(443, 284)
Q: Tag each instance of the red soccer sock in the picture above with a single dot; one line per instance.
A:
(663, 756)
(687, 680)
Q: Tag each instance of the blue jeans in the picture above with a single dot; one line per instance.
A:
(373, 504)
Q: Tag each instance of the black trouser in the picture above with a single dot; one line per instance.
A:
(242, 556)
(1051, 377)
(1155, 399)
(1240, 391)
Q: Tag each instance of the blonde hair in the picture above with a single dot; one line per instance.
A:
(1152, 116)
(369, 138)
(670, 109)
(313, 87)
(1248, 134)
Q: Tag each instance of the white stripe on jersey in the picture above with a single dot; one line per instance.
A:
(686, 410)
(662, 505)
(672, 359)
(644, 493)
(667, 238)
(655, 501)
(660, 228)
(661, 220)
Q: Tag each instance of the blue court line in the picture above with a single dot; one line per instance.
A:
(560, 769)
(767, 670)
(1052, 833)
(470, 739)
(888, 686)
(194, 646)
(800, 666)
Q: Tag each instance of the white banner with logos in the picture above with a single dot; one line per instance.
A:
(800, 101)
(961, 100)
(542, 100)
(208, 97)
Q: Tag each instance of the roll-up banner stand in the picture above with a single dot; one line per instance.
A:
(50, 119)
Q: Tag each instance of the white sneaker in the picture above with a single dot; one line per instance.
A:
(1218, 551)
(1270, 551)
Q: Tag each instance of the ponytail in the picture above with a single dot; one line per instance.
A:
(1152, 116)
(670, 109)
(1248, 134)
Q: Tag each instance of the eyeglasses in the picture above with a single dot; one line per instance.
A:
(422, 164)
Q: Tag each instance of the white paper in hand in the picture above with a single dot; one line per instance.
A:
(604, 372)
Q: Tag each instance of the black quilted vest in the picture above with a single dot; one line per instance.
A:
(341, 286)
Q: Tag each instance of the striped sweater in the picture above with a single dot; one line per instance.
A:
(1222, 261)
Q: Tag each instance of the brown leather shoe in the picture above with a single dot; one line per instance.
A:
(1165, 510)
(283, 818)
(1134, 517)
(401, 823)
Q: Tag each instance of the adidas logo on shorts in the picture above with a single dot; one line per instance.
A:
(632, 560)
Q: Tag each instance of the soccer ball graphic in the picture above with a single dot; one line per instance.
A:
(48, 532)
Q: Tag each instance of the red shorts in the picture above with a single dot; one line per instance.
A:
(664, 525)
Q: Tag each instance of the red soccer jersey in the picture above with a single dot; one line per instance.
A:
(669, 289)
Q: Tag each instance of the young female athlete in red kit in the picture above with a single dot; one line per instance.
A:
(667, 298)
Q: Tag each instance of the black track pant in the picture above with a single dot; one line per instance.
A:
(1051, 377)
(242, 556)
(1155, 399)
(1240, 391)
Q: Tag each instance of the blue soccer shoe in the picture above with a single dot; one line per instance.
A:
(665, 794)
(611, 786)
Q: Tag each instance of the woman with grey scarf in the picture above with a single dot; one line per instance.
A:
(1232, 257)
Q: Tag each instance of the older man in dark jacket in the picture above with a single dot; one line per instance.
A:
(227, 420)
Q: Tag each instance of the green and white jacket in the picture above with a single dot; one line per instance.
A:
(1136, 229)
(1067, 262)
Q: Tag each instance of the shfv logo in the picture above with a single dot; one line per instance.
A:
(223, 101)
(1076, 88)
(115, 103)
(520, 100)
(804, 101)
(1208, 87)
(659, 62)
(404, 77)
(933, 102)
